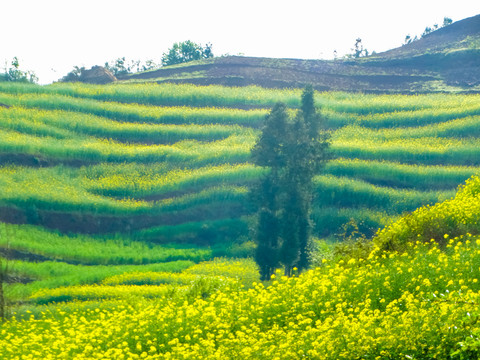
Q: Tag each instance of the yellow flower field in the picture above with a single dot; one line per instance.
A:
(419, 304)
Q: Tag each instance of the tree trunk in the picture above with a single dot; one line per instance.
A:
(2, 294)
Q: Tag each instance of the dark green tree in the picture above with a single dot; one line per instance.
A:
(3, 280)
(447, 21)
(268, 229)
(119, 67)
(293, 151)
(74, 75)
(269, 152)
(290, 219)
(186, 51)
(122, 66)
(358, 50)
(308, 154)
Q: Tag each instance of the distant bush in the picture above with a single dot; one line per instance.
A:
(429, 29)
(14, 73)
(118, 67)
(121, 66)
(73, 75)
(186, 51)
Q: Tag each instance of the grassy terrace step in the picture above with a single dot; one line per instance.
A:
(49, 193)
(426, 150)
(250, 118)
(396, 175)
(105, 194)
(66, 124)
(45, 187)
(408, 118)
(149, 182)
(200, 96)
(467, 127)
(234, 149)
(53, 274)
(351, 193)
(82, 249)
(100, 214)
(138, 113)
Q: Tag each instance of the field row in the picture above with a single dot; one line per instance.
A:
(444, 111)
(233, 150)
(200, 96)
(180, 189)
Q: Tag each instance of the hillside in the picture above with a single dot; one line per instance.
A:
(447, 60)
(126, 220)
(170, 163)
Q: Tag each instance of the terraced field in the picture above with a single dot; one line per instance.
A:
(170, 163)
(148, 184)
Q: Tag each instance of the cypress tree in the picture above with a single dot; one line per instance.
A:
(311, 153)
(269, 152)
(268, 229)
(294, 151)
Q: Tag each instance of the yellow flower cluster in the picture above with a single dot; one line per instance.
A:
(418, 304)
(454, 217)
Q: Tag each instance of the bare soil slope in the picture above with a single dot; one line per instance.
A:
(446, 60)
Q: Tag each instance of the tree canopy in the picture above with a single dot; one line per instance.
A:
(122, 66)
(186, 51)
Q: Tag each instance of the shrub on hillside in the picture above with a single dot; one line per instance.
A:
(451, 218)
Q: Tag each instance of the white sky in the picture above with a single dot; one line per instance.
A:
(51, 36)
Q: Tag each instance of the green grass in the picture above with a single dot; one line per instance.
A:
(138, 113)
(62, 124)
(81, 249)
(181, 152)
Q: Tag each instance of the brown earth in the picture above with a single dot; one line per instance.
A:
(97, 75)
(447, 57)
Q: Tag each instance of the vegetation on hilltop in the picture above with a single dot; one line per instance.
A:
(186, 51)
(429, 29)
(16, 74)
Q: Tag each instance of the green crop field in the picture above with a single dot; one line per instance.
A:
(125, 226)
(146, 159)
